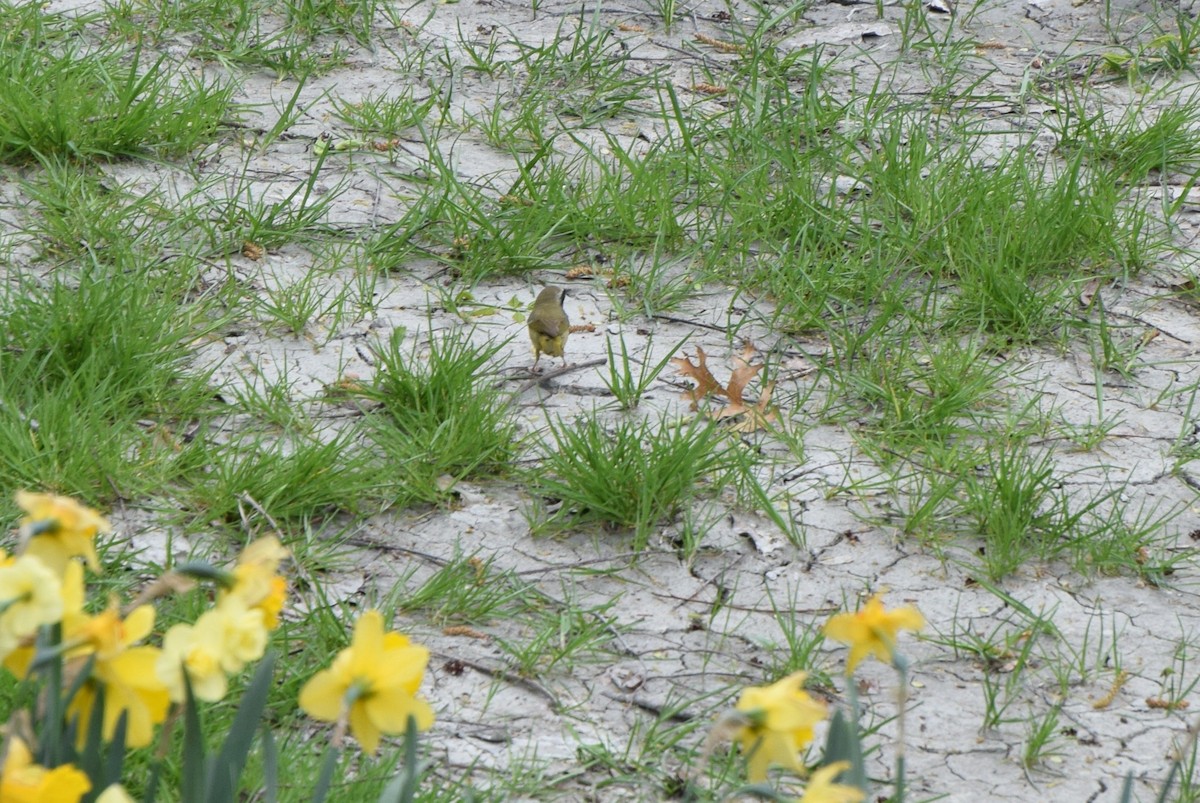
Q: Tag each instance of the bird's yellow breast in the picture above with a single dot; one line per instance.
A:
(548, 344)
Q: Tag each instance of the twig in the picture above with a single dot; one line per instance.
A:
(651, 708)
(504, 674)
(557, 372)
(701, 324)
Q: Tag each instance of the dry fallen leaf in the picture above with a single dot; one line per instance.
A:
(759, 415)
(706, 383)
(720, 45)
(463, 630)
(1088, 293)
(743, 372)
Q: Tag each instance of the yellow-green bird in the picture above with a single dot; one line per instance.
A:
(548, 324)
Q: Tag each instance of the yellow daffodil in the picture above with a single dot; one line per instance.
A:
(872, 630)
(30, 596)
(256, 581)
(57, 528)
(222, 641)
(125, 671)
(374, 682)
(115, 794)
(131, 687)
(73, 617)
(822, 789)
(244, 633)
(199, 650)
(22, 781)
(779, 724)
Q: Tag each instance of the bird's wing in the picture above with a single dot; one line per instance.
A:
(549, 328)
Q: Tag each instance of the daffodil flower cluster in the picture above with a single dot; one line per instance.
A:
(774, 724)
(234, 633)
(779, 724)
(43, 584)
(23, 781)
(30, 596)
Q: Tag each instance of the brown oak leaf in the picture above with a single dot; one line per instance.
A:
(743, 372)
(759, 415)
(706, 383)
(755, 416)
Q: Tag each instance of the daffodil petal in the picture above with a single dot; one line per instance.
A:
(364, 729)
(322, 696)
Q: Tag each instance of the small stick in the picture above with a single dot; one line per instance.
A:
(557, 372)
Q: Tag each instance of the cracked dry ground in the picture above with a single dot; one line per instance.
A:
(681, 636)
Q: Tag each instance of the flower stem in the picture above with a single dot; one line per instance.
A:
(901, 665)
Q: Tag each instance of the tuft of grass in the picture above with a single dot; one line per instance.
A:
(581, 73)
(96, 400)
(918, 393)
(312, 18)
(1136, 142)
(245, 215)
(1042, 734)
(292, 478)
(1171, 51)
(308, 38)
(627, 384)
(385, 115)
(63, 98)
(297, 304)
(568, 634)
(467, 590)
(441, 418)
(800, 649)
(1012, 236)
(636, 474)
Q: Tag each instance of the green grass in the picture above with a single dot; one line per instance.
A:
(62, 99)
(98, 402)
(467, 590)
(295, 477)
(633, 474)
(906, 258)
(297, 40)
(385, 115)
(440, 416)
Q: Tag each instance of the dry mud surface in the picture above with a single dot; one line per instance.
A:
(685, 635)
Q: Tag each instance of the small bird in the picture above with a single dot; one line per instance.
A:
(548, 324)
